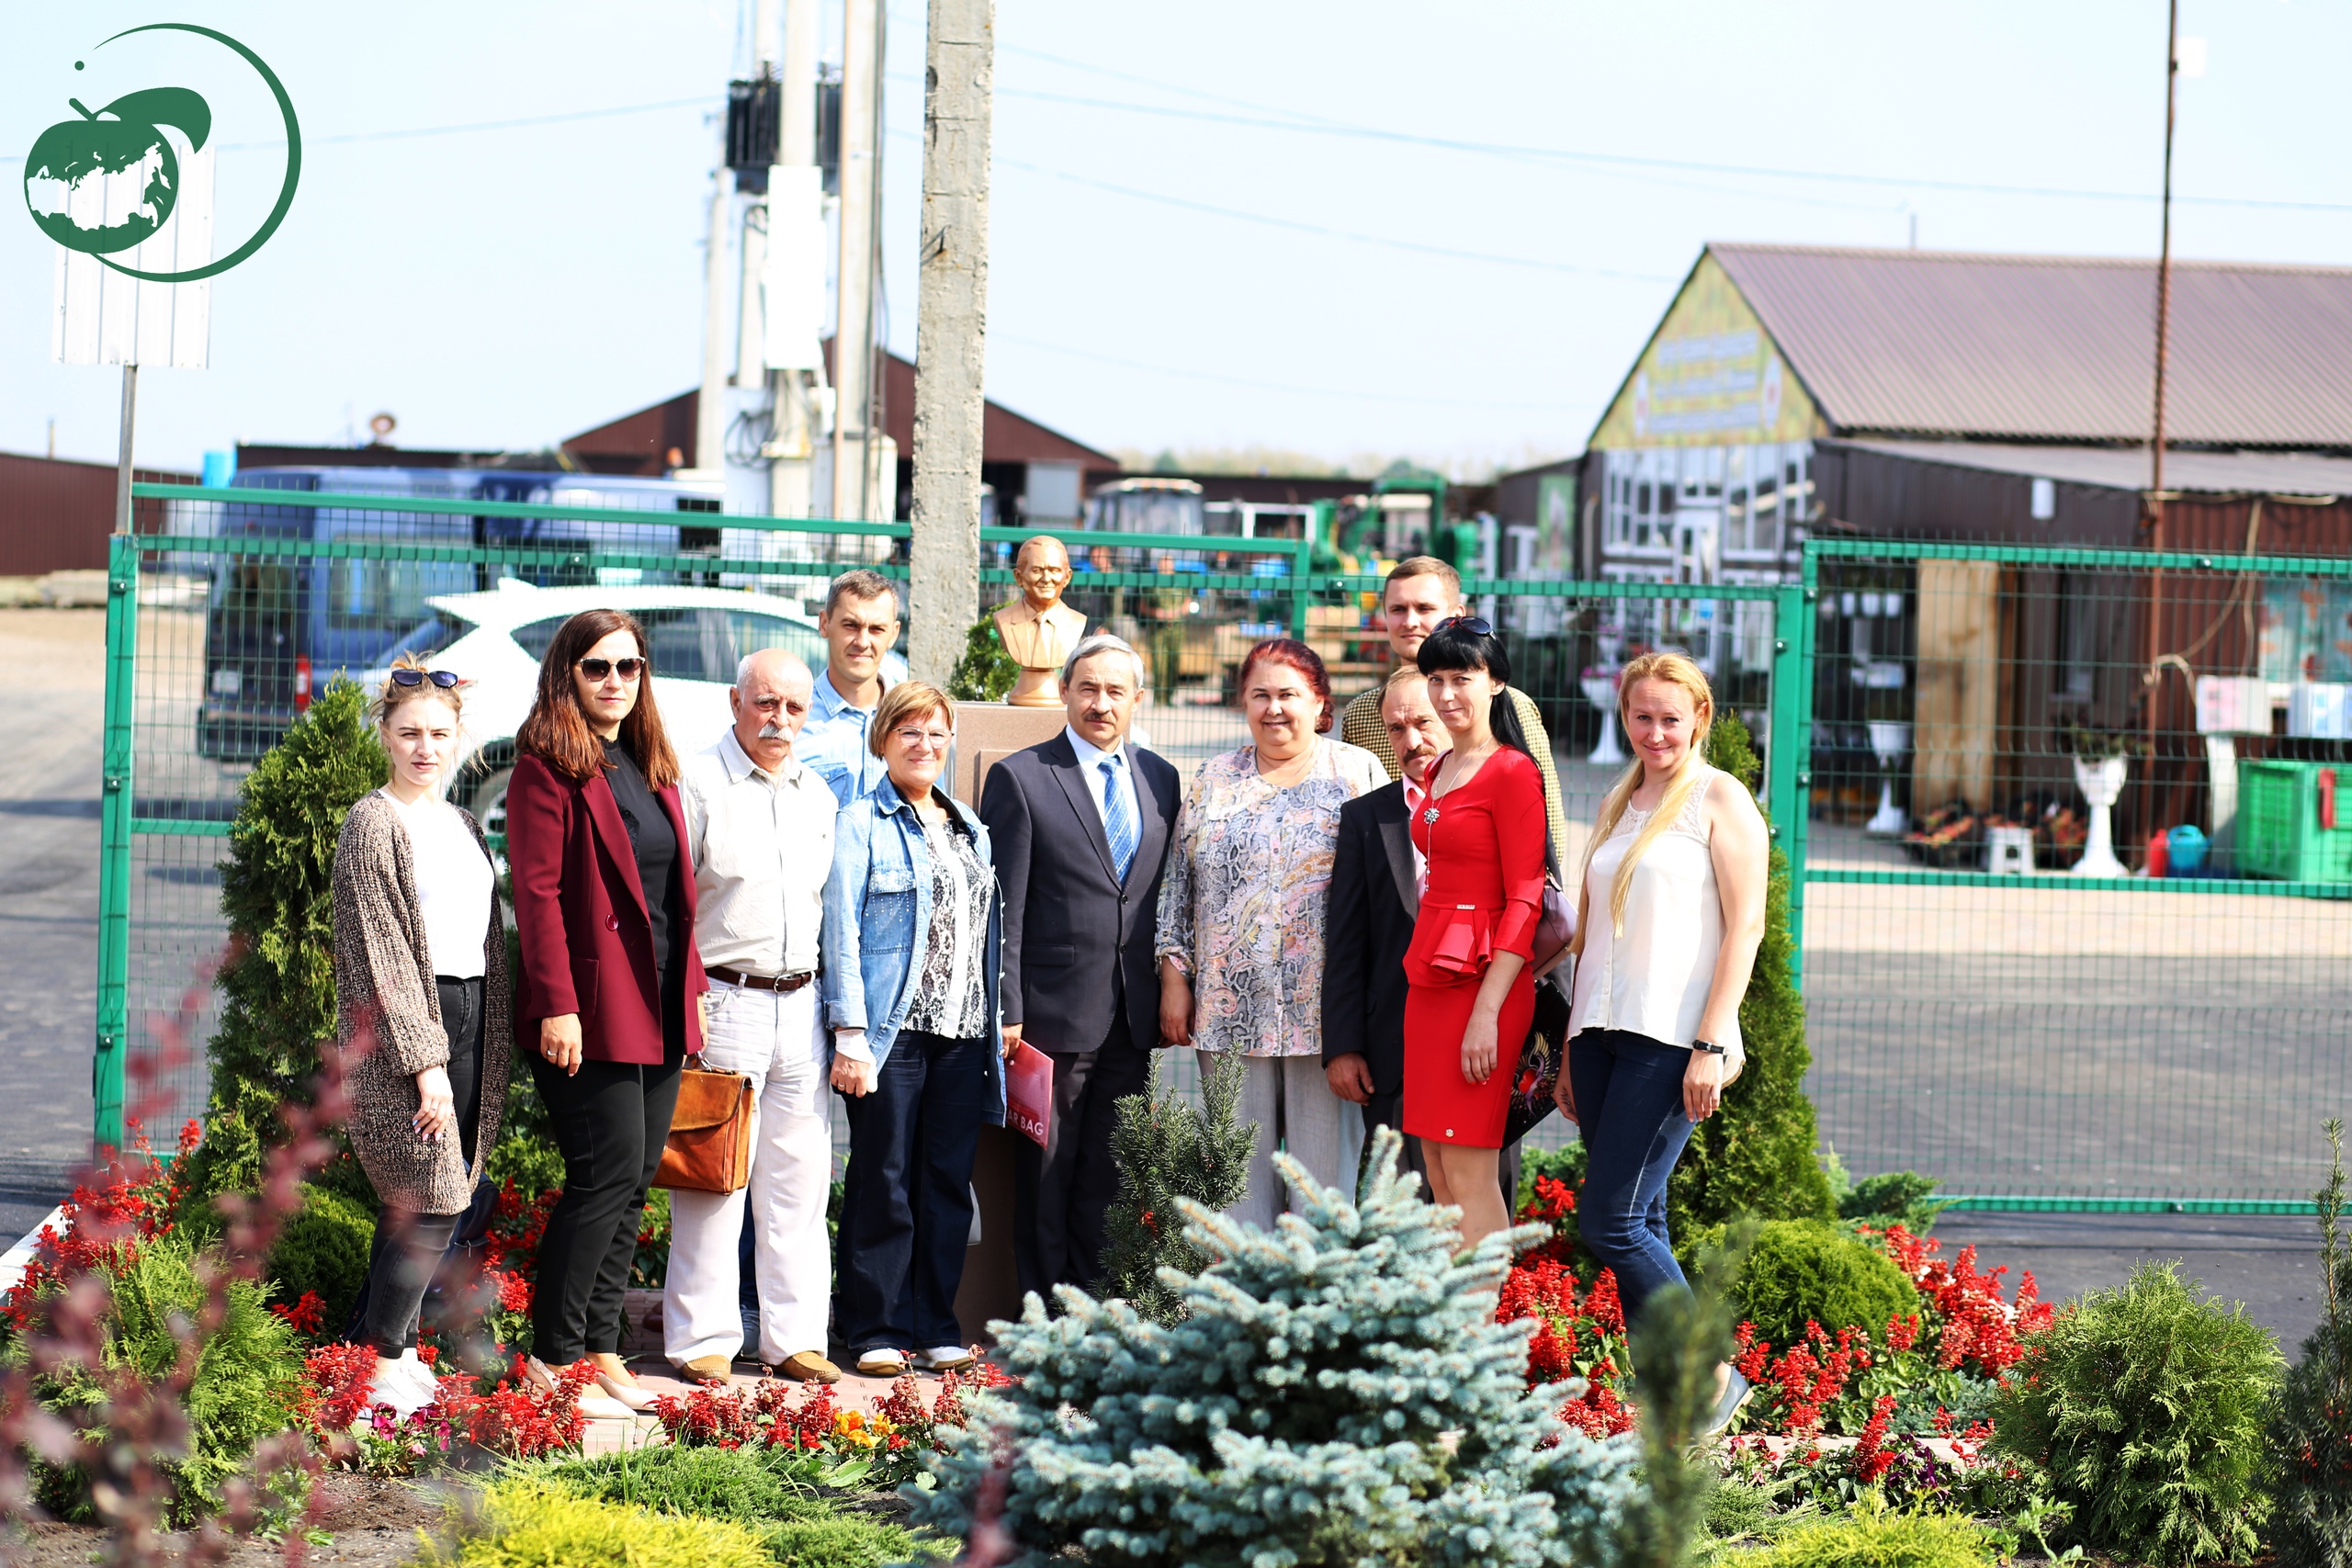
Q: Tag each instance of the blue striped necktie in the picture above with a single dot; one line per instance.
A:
(1118, 818)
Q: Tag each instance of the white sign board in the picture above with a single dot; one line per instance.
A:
(794, 280)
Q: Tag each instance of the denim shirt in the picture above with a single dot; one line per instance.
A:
(877, 915)
(833, 743)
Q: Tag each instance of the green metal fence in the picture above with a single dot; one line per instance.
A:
(1989, 999)
(275, 587)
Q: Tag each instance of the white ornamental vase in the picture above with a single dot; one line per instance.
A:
(2101, 781)
(1890, 740)
(1601, 691)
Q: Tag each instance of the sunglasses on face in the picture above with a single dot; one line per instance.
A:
(1477, 625)
(445, 679)
(597, 669)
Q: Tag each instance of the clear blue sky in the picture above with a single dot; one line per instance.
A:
(507, 286)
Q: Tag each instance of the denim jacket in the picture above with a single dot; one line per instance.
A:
(877, 915)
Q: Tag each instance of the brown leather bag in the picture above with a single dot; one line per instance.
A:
(709, 1148)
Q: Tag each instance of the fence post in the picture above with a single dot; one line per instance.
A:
(1798, 647)
(114, 847)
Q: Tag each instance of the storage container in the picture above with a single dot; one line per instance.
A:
(2291, 825)
(2319, 710)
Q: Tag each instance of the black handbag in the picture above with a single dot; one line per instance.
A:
(1542, 1060)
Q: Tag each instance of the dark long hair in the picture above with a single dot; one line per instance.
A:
(556, 732)
(1454, 646)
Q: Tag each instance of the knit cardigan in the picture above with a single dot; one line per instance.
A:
(388, 1014)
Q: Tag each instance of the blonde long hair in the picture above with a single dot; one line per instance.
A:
(1676, 669)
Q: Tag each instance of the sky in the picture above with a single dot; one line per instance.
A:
(1339, 229)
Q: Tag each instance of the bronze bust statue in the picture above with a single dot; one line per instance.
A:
(1038, 629)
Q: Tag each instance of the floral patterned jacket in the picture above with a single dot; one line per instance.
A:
(1241, 909)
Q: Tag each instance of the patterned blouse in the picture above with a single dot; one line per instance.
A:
(951, 999)
(1241, 909)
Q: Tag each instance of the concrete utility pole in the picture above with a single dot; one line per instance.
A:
(950, 329)
(796, 423)
(751, 330)
(861, 191)
(710, 408)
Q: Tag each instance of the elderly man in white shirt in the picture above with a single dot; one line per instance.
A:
(760, 827)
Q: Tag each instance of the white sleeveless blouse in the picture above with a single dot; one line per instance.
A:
(1653, 980)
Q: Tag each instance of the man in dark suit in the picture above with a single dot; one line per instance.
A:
(1080, 827)
(1375, 896)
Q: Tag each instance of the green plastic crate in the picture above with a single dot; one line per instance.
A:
(2278, 831)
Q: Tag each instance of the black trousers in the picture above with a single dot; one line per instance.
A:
(408, 1248)
(1062, 1191)
(610, 1121)
(907, 1195)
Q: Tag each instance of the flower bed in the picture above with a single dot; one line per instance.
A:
(887, 1449)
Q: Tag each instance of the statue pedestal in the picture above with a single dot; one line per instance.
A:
(986, 734)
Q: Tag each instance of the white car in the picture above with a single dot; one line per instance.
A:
(495, 641)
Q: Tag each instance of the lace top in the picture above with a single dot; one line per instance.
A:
(950, 997)
(1652, 979)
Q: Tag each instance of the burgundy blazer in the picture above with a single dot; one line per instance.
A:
(587, 943)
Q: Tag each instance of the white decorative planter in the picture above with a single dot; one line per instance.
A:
(1601, 691)
(1890, 740)
(2101, 783)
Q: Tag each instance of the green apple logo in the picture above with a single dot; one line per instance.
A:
(124, 139)
(76, 152)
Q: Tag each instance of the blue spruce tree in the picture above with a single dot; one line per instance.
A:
(1338, 1396)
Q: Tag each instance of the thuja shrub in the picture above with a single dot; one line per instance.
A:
(987, 672)
(323, 1250)
(246, 1384)
(773, 1492)
(2311, 1427)
(1756, 1155)
(276, 889)
(1168, 1150)
(1335, 1392)
(2146, 1407)
(1873, 1536)
(1805, 1271)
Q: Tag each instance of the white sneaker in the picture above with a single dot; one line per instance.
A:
(419, 1373)
(945, 1358)
(405, 1397)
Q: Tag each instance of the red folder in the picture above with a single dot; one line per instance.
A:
(1029, 1093)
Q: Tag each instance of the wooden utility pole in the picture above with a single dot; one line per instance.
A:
(2152, 688)
(949, 333)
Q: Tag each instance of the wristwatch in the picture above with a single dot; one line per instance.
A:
(1709, 1047)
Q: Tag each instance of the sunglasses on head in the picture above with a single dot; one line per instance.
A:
(445, 679)
(597, 669)
(1477, 625)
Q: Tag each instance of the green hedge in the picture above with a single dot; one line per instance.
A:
(323, 1248)
(1810, 1270)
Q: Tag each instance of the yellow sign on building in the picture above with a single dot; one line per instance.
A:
(1711, 377)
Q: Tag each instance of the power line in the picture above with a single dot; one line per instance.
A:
(996, 336)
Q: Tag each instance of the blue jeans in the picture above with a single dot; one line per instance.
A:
(907, 1195)
(1629, 1108)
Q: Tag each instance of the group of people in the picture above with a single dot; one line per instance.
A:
(802, 902)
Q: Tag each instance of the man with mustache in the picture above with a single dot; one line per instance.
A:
(1080, 826)
(1377, 874)
(760, 829)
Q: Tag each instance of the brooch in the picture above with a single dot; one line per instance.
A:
(1429, 817)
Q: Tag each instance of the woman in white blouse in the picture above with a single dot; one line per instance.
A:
(1671, 912)
(420, 992)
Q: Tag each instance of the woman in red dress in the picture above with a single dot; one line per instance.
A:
(1469, 998)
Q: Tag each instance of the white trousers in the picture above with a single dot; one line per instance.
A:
(776, 1040)
(1294, 1106)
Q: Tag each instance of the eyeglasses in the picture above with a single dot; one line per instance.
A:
(915, 739)
(597, 669)
(445, 679)
(1477, 625)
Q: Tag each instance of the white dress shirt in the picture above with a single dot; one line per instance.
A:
(763, 845)
(1089, 763)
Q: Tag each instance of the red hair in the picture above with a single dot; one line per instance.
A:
(1299, 657)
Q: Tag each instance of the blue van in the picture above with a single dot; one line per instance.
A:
(277, 627)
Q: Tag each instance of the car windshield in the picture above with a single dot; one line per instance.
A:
(427, 639)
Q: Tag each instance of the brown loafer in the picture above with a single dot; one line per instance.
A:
(709, 1370)
(807, 1365)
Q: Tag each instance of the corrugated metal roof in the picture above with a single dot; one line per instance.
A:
(2189, 473)
(2056, 348)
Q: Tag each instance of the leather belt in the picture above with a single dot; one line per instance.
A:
(787, 984)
